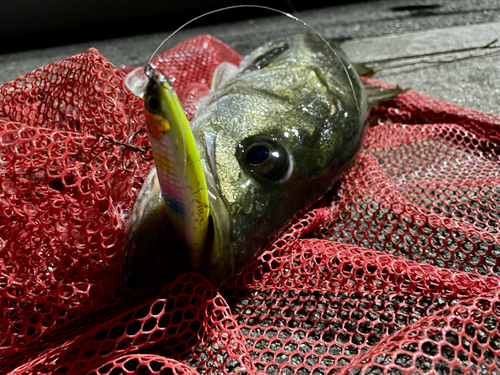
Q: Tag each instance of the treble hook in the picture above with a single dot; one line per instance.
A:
(145, 152)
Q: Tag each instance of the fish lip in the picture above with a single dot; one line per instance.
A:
(210, 152)
(218, 261)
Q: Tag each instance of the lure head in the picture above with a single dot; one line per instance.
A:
(154, 94)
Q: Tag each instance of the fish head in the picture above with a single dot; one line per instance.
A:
(273, 140)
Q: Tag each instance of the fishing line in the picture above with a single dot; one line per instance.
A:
(490, 50)
(488, 46)
(346, 71)
(429, 63)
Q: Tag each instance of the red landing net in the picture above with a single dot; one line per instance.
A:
(397, 271)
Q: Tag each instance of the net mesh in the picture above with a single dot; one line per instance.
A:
(395, 271)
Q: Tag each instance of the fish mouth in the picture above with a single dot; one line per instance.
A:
(215, 257)
(154, 254)
(149, 269)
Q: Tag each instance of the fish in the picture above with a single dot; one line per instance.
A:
(273, 137)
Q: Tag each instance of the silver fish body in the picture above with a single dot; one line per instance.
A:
(273, 140)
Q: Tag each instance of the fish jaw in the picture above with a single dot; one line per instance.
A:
(147, 223)
(153, 251)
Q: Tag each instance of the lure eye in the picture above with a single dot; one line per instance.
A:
(152, 104)
(268, 159)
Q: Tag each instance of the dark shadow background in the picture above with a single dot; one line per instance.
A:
(36, 24)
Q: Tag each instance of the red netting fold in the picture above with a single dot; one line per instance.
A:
(395, 271)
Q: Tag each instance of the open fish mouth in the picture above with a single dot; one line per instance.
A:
(154, 253)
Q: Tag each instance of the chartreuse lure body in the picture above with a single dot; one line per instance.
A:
(180, 174)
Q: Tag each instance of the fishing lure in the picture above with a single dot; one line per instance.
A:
(178, 167)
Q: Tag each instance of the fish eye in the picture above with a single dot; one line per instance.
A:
(267, 158)
(258, 154)
(152, 104)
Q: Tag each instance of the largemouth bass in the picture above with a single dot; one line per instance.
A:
(273, 137)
